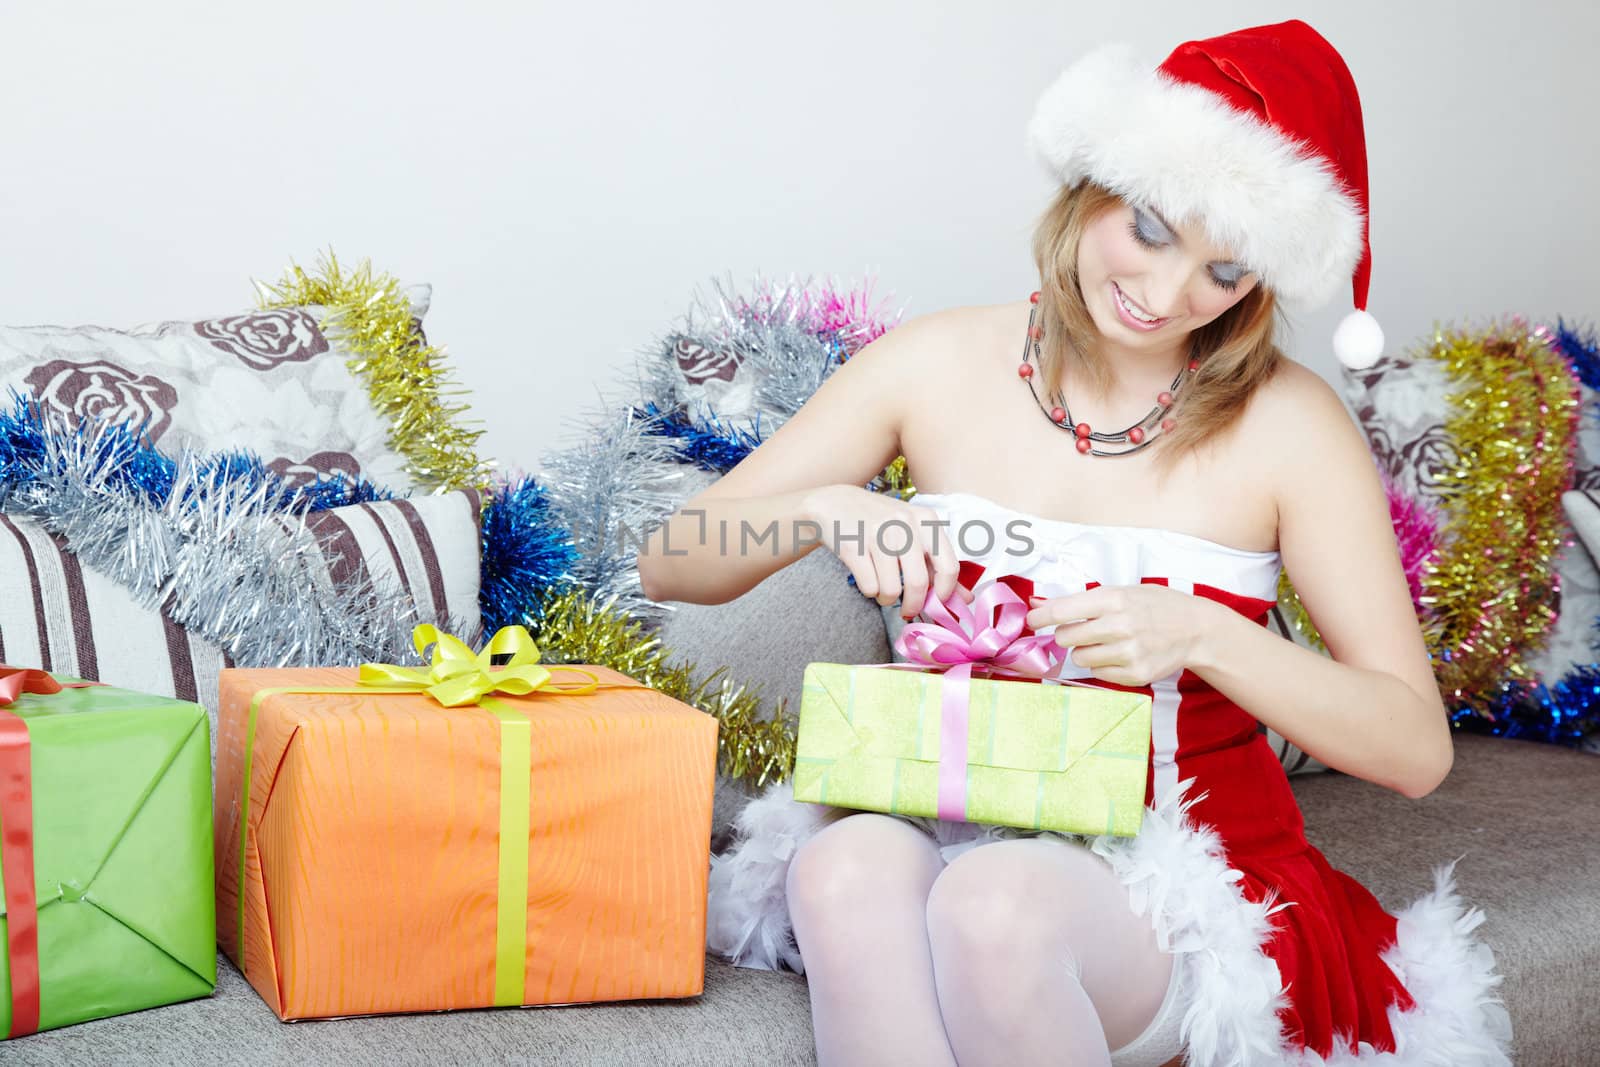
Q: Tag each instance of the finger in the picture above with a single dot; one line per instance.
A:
(887, 568)
(965, 594)
(914, 581)
(862, 574)
(942, 551)
(1073, 607)
(1091, 632)
(1098, 656)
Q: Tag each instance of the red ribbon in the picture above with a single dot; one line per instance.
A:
(14, 681)
(16, 844)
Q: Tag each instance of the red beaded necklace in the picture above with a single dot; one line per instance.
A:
(1137, 436)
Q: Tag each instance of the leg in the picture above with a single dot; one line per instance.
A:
(1038, 958)
(858, 893)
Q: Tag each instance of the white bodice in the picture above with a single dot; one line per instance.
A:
(1062, 557)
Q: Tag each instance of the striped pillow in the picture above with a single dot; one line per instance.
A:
(57, 614)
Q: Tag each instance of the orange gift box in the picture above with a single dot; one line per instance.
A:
(376, 877)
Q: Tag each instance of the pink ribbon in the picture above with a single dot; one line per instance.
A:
(985, 635)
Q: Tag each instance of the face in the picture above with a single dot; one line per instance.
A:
(1134, 268)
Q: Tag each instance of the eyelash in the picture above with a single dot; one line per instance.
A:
(1138, 235)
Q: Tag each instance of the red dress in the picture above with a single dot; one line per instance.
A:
(1284, 958)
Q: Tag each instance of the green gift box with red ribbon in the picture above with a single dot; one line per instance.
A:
(105, 852)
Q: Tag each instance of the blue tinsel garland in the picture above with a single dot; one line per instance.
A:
(1582, 349)
(525, 551)
(133, 465)
(1566, 713)
(526, 554)
(712, 446)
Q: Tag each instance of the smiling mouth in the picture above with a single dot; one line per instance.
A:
(1138, 314)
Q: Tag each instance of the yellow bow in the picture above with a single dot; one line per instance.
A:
(456, 675)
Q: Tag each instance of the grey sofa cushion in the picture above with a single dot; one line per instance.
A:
(1521, 816)
(805, 613)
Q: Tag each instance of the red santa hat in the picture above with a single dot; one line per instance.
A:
(1256, 135)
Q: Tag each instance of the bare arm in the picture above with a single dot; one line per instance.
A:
(760, 516)
(1374, 709)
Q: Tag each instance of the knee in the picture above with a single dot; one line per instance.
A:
(1013, 901)
(976, 911)
(848, 862)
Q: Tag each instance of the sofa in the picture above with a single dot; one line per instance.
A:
(1520, 815)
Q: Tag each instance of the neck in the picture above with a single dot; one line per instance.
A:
(1141, 372)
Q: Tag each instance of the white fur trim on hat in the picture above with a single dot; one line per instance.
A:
(1183, 150)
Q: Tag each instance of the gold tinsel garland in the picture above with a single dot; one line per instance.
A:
(1299, 618)
(1489, 593)
(896, 479)
(572, 628)
(406, 377)
(1492, 594)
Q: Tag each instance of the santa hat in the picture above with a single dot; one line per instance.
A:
(1255, 134)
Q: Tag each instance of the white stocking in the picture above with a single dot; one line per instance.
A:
(1038, 959)
(858, 893)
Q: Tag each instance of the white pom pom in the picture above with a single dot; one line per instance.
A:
(1358, 342)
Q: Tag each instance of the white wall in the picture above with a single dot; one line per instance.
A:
(567, 174)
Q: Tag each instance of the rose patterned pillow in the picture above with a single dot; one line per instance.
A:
(270, 382)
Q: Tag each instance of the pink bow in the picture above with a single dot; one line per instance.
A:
(985, 635)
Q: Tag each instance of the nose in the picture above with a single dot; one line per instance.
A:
(1167, 292)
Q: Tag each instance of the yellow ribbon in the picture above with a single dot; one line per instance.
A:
(456, 676)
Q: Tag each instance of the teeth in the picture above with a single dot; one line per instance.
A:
(1135, 312)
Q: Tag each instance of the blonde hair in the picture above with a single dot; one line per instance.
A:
(1236, 350)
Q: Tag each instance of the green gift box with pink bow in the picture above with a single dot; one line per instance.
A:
(974, 728)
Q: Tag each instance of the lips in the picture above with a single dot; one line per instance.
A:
(1130, 313)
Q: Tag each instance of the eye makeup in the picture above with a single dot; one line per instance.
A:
(1152, 231)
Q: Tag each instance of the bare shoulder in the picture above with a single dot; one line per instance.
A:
(852, 426)
(1307, 425)
(929, 353)
(944, 333)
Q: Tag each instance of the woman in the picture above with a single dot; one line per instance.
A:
(1145, 472)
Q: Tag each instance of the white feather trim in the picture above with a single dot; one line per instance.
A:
(1458, 1020)
(747, 911)
(1284, 213)
(1177, 873)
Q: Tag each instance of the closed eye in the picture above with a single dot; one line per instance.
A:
(1152, 234)
(1230, 282)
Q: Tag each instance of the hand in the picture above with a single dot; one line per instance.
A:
(1128, 634)
(895, 551)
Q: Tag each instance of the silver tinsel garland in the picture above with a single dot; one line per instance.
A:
(226, 559)
(610, 491)
(784, 340)
(772, 335)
